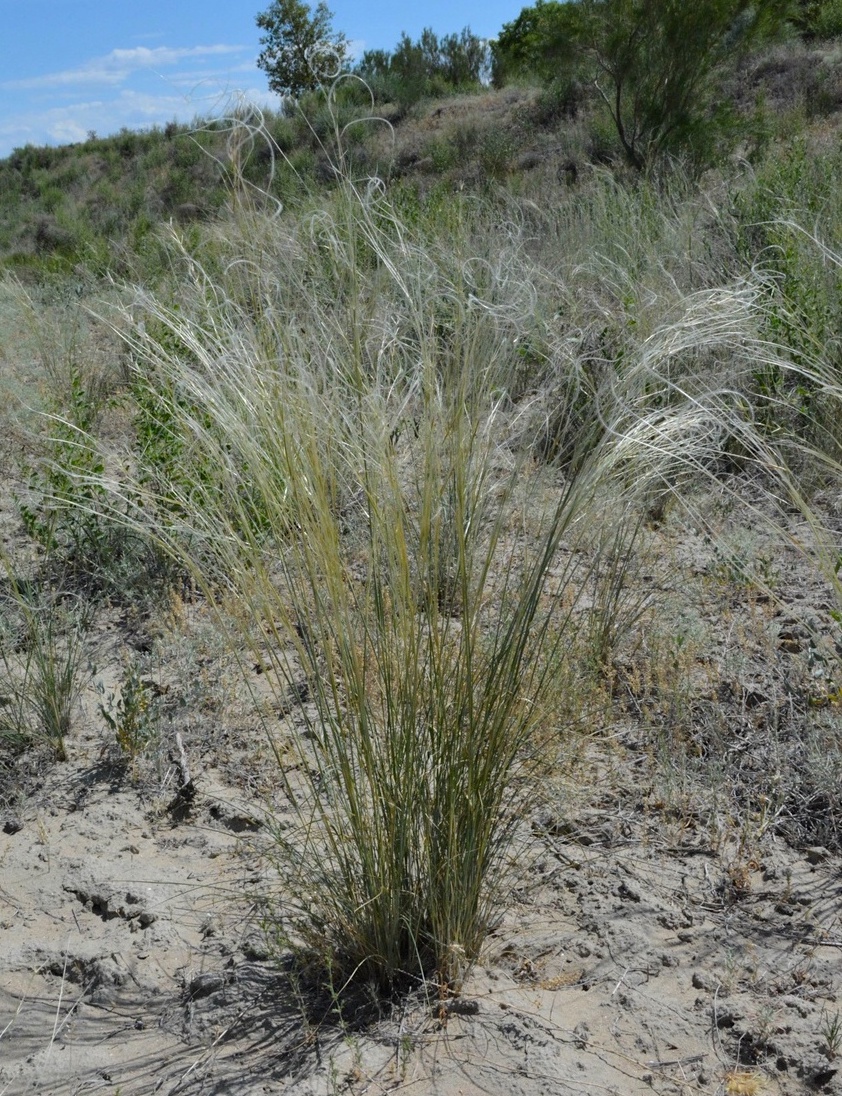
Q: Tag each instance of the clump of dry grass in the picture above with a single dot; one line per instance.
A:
(345, 400)
(44, 664)
(373, 538)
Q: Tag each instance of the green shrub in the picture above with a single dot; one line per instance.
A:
(67, 509)
(659, 62)
(828, 22)
(807, 303)
(175, 439)
(819, 18)
(64, 517)
(52, 198)
(443, 153)
(130, 713)
(561, 98)
(495, 154)
(282, 133)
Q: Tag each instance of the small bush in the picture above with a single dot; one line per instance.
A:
(495, 154)
(130, 713)
(66, 508)
(560, 100)
(829, 21)
(819, 18)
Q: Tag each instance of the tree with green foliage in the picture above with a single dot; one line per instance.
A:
(463, 58)
(426, 67)
(544, 39)
(657, 65)
(300, 46)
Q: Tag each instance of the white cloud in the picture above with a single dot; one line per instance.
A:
(56, 125)
(217, 77)
(133, 88)
(130, 108)
(67, 132)
(118, 65)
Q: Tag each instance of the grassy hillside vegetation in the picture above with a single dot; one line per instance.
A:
(456, 428)
(97, 205)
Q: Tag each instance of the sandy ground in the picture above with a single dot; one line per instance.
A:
(634, 956)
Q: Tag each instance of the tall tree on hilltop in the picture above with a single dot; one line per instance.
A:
(300, 46)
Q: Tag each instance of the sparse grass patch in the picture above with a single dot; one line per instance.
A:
(76, 385)
(43, 665)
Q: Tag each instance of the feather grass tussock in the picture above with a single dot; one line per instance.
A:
(44, 664)
(339, 432)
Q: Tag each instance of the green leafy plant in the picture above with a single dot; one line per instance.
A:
(67, 513)
(172, 432)
(70, 473)
(130, 713)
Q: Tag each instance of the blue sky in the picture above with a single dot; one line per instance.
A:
(68, 67)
